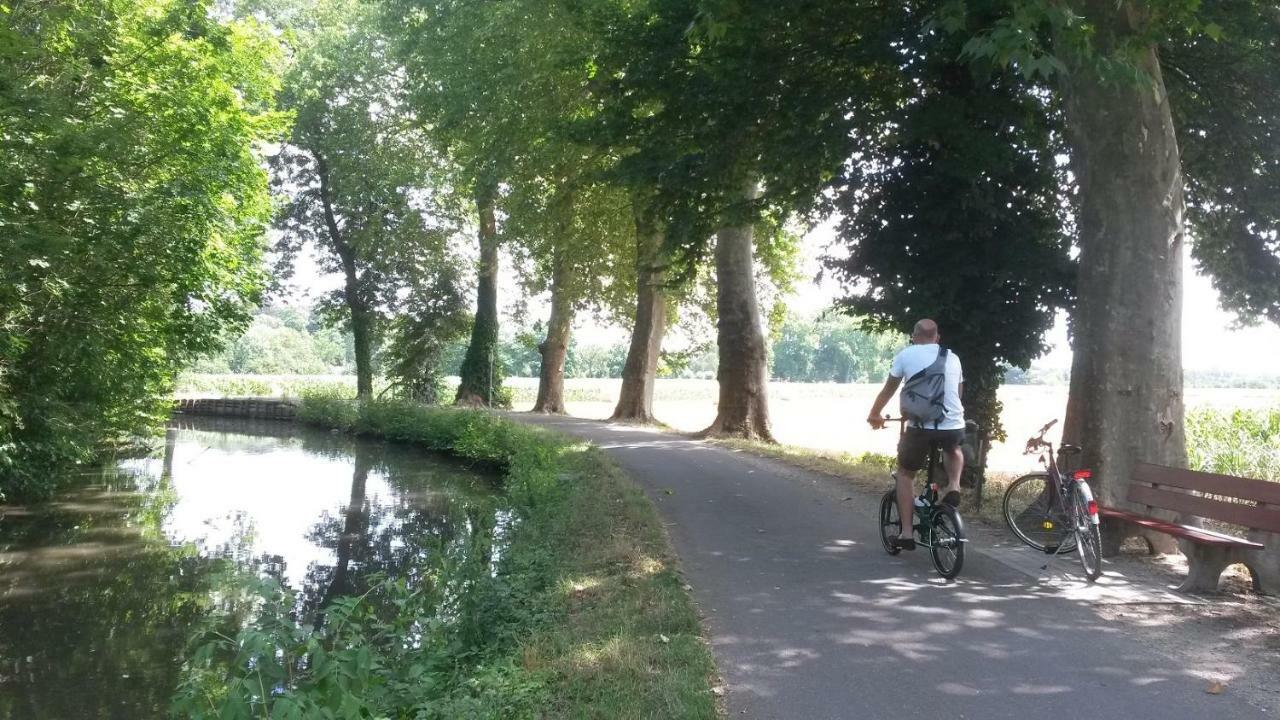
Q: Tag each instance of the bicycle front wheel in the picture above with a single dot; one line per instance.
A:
(890, 524)
(1036, 517)
(1090, 537)
(946, 544)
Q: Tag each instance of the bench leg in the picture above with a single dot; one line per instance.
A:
(1264, 565)
(1206, 564)
(1115, 532)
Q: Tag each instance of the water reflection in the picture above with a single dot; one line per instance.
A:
(99, 590)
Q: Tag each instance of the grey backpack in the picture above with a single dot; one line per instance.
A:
(923, 394)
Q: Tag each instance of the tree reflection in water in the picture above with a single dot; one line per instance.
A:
(100, 590)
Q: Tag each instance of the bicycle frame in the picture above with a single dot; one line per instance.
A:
(922, 522)
(1060, 485)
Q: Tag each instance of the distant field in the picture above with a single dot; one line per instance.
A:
(824, 416)
(830, 416)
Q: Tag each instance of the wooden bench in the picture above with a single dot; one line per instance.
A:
(1253, 504)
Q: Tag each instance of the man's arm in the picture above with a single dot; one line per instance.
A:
(875, 419)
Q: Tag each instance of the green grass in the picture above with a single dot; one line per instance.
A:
(1245, 443)
(584, 614)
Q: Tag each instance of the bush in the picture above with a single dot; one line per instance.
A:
(1245, 443)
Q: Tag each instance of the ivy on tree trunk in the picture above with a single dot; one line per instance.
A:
(481, 375)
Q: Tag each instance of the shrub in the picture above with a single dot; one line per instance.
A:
(1245, 443)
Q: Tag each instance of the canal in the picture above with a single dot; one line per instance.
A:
(101, 589)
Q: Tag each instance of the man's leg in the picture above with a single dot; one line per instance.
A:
(912, 447)
(906, 502)
(953, 461)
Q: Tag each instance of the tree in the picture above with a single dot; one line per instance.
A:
(431, 319)
(953, 210)
(831, 349)
(1126, 387)
(355, 167)
(649, 321)
(133, 211)
(1222, 92)
(459, 57)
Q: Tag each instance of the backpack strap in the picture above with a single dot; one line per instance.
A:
(939, 366)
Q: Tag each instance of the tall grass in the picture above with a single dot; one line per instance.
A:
(1245, 443)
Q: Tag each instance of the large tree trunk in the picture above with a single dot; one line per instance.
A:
(361, 318)
(481, 376)
(635, 402)
(555, 348)
(1126, 401)
(743, 409)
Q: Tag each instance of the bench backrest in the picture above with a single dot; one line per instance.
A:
(1166, 488)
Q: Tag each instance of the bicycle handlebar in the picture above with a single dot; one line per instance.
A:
(1036, 443)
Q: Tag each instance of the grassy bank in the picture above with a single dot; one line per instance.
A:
(575, 611)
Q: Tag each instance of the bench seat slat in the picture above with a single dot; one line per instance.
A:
(1200, 535)
(1262, 491)
(1234, 513)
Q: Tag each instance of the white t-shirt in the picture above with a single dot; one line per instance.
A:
(915, 358)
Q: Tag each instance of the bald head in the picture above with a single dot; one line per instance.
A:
(925, 332)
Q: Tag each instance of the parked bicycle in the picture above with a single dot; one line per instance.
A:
(1053, 511)
(938, 526)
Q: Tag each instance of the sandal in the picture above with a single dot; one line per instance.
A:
(952, 498)
(904, 543)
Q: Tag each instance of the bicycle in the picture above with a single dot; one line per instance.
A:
(937, 526)
(1053, 512)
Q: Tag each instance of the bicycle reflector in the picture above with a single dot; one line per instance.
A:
(1093, 507)
(1082, 474)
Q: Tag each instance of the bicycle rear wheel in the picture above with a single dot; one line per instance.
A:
(947, 541)
(1036, 517)
(1088, 535)
(890, 525)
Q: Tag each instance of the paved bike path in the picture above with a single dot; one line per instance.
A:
(809, 618)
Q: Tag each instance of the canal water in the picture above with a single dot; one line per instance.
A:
(101, 589)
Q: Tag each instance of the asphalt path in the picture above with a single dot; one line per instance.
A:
(809, 618)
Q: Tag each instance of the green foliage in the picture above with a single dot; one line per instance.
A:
(132, 206)
(1245, 443)
(420, 339)
(953, 211)
(1217, 61)
(356, 170)
(276, 345)
(832, 349)
(1226, 107)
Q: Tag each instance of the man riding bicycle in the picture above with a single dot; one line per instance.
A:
(931, 404)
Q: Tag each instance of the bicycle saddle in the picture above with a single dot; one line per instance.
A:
(1069, 449)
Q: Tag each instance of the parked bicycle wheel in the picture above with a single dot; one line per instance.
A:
(1089, 536)
(890, 525)
(946, 545)
(1036, 517)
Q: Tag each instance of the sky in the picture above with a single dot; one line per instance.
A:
(1210, 340)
